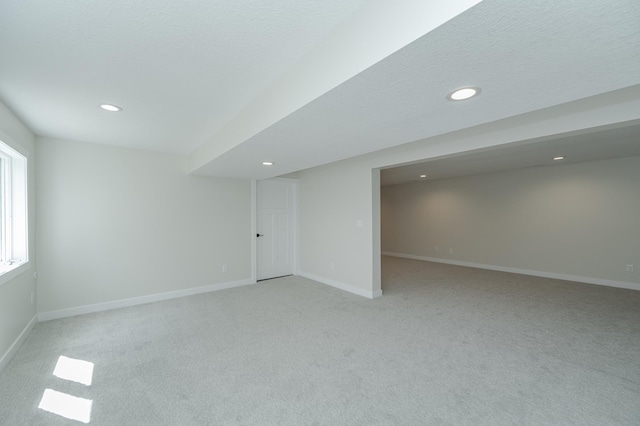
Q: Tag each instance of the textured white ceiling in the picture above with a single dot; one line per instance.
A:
(184, 70)
(593, 145)
(524, 55)
(180, 70)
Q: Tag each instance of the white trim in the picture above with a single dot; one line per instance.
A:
(296, 226)
(14, 206)
(106, 306)
(11, 352)
(254, 227)
(11, 274)
(342, 286)
(376, 239)
(565, 277)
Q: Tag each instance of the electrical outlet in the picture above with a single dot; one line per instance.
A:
(224, 268)
(436, 248)
(332, 266)
(629, 268)
(450, 251)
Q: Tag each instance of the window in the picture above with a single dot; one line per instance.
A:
(13, 209)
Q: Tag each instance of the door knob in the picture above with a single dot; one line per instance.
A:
(259, 235)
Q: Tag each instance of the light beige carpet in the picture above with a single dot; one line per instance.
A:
(445, 345)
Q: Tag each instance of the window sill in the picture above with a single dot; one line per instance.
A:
(8, 273)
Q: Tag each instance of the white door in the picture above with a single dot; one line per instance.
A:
(276, 228)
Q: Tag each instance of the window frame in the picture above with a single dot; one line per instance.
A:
(14, 220)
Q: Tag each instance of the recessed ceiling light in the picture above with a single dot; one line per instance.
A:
(558, 158)
(423, 176)
(463, 93)
(267, 163)
(110, 107)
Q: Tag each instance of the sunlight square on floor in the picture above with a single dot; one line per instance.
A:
(75, 370)
(65, 405)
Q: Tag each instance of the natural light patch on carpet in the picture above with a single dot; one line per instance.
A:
(75, 370)
(68, 406)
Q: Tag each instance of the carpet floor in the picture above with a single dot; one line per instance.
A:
(444, 345)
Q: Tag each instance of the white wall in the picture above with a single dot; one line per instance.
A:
(117, 223)
(333, 199)
(17, 313)
(577, 219)
(333, 196)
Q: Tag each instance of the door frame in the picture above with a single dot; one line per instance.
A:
(254, 226)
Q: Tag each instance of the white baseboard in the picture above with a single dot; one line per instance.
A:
(342, 286)
(17, 343)
(98, 307)
(565, 277)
